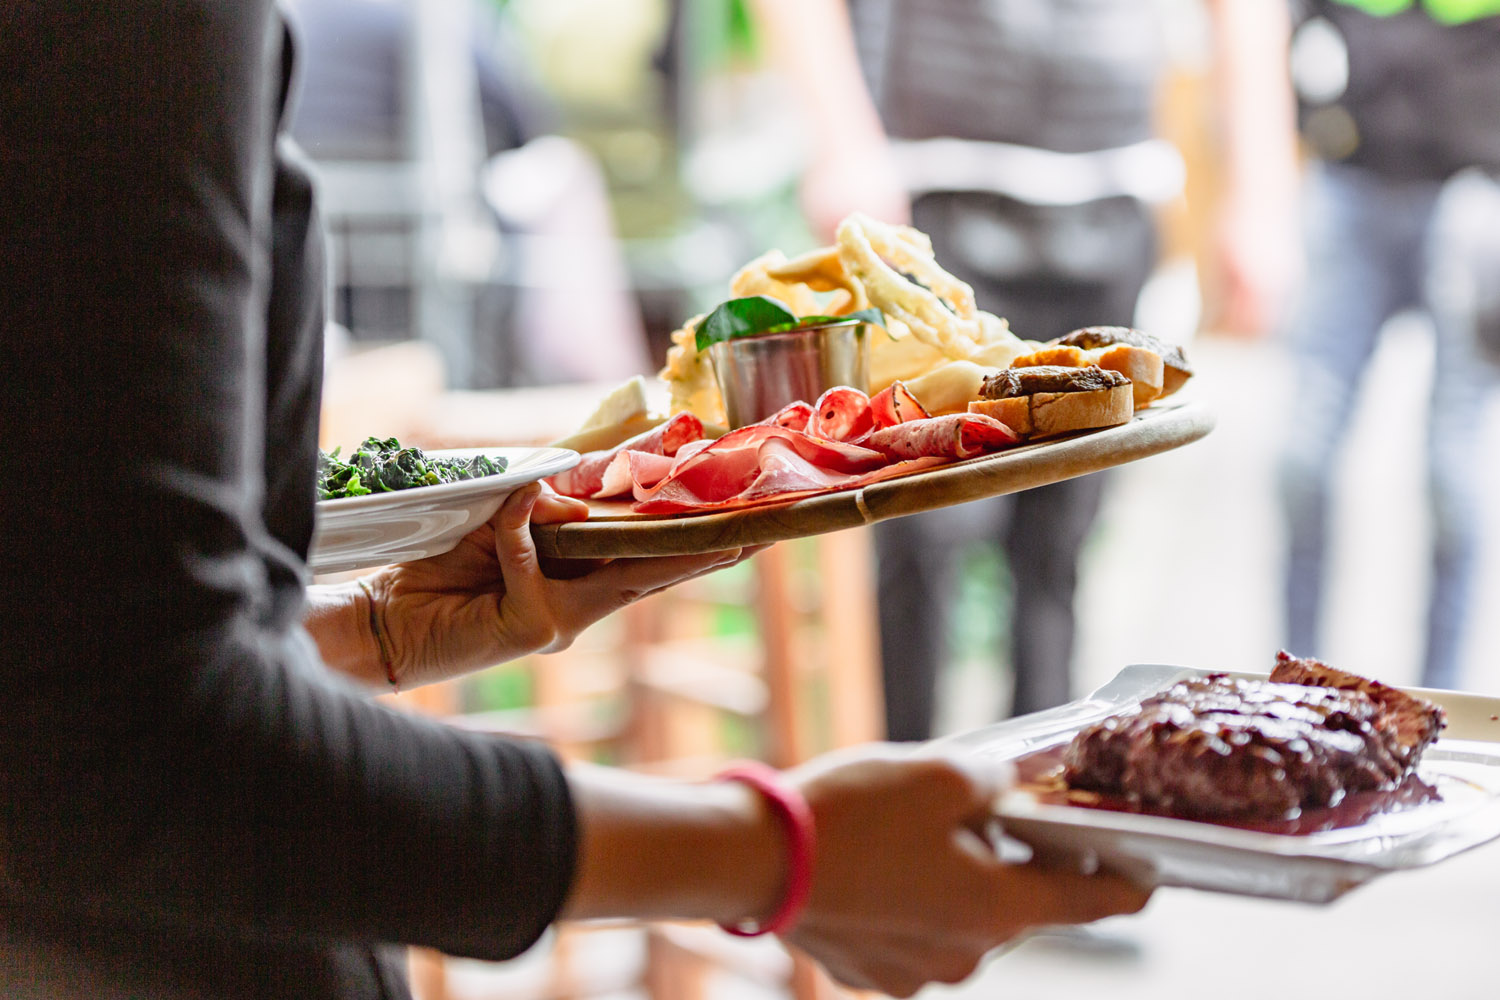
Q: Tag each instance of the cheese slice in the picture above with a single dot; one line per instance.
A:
(622, 404)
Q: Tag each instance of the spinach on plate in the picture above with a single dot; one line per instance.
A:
(382, 466)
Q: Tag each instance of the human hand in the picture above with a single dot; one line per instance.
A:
(906, 891)
(1256, 267)
(492, 598)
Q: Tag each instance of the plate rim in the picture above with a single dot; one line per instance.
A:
(552, 460)
(528, 464)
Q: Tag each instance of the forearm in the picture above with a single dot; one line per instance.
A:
(1252, 84)
(651, 848)
(850, 166)
(813, 45)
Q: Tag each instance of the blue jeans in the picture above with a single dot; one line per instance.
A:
(1376, 247)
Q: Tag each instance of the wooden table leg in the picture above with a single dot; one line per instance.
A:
(846, 565)
(787, 744)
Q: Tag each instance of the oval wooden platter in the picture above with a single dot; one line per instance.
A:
(612, 530)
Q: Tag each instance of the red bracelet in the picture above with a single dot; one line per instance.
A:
(801, 836)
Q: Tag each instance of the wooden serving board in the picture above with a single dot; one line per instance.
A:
(612, 530)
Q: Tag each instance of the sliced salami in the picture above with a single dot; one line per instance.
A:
(956, 435)
(896, 405)
(841, 414)
(793, 415)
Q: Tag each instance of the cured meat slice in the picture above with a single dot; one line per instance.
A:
(845, 439)
(779, 484)
(746, 463)
(841, 414)
(956, 435)
(895, 404)
(793, 415)
(598, 473)
(629, 469)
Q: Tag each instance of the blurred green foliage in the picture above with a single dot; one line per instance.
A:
(980, 629)
(500, 688)
(725, 34)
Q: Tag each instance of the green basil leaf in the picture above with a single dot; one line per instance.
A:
(756, 315)
(742, 318)
(870, 315)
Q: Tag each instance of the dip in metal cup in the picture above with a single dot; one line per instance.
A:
(759, 375)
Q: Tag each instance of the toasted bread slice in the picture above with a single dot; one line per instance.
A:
(1143, 367)
(1014, 412)
(1053, 354)
(1177, 369)
(1048, 414)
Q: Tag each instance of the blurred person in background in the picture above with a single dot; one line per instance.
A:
(1020, 135)
(1400, 105)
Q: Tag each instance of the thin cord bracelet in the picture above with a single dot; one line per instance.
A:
(801, 837)
(385, 657)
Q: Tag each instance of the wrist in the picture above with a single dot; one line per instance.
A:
(799, 837)
(338, 619)
(752, 833)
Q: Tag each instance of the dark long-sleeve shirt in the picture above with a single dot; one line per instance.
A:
(191, 805)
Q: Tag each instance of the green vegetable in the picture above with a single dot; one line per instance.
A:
(381, 466)
(755, 315)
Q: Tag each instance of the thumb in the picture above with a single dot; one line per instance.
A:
(514, 547)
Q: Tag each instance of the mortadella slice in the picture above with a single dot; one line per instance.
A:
(956, 435)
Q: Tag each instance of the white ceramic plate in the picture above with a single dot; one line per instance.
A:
(360, 532)
(1463, 765)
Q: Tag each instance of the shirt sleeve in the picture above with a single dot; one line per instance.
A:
(172, 752)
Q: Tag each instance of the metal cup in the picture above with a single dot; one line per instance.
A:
(759, 375)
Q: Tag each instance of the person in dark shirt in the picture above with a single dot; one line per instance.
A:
(192, 804)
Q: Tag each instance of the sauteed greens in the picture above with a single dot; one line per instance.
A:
(380, 466)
